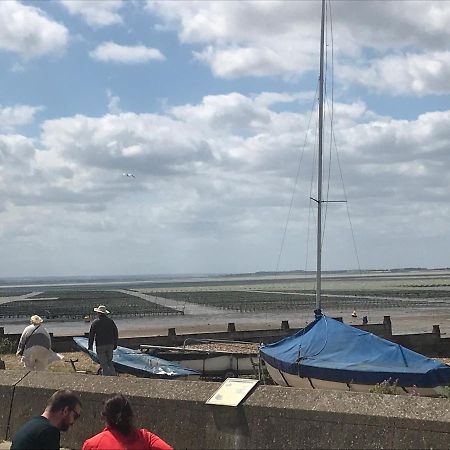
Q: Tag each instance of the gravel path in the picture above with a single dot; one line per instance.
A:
(16, 298)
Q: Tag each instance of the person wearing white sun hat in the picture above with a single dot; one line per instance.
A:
(35, 346)
(105, 334)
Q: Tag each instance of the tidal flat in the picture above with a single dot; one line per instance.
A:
(414, 299)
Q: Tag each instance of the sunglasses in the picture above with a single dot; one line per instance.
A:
(76, 414)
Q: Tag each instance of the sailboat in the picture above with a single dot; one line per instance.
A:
(328, 354)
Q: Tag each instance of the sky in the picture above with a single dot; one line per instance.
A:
(211, 107)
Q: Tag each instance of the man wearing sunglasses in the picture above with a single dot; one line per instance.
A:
(44, 431)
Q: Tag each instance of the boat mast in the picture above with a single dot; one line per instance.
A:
(318, 311)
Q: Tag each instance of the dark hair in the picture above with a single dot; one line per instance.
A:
(118, 414)
(62, 398)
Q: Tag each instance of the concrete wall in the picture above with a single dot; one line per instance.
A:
(272, 417)
(8, 380)
(425, 343)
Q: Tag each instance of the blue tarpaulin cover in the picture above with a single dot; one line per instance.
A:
(127, 360)
(328, 349)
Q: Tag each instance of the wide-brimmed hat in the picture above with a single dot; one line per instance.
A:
(101, 309)
(36, 320)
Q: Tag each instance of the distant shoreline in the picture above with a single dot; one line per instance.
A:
(37, 282)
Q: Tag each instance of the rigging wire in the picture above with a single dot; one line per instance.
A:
(333, 141)
(328, 19)
(346, 204)
(283, 239)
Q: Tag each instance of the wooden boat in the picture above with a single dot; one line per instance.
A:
(208, 362)
(134, 362)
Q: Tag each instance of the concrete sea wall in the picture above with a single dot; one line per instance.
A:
(272, 417)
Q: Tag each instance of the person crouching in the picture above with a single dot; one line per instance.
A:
(35, 346)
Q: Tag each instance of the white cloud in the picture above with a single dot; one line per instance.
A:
(270, 98)
(16, 151)
(18, 169)
(224, 113)
(237, 62)
(273, 38)
(246, 38)
(113, 103)
(137, 54)
(227, 137)
(216, 176)
(13, 116)
(27, 31)
(419, 74)
(146, 143)
(96, 13)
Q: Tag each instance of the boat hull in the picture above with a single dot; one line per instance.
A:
(222, 365)
(289, 380)
(210, 364)
(134, 362)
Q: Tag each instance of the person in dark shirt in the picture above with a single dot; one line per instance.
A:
(104, 331)
(43, 432)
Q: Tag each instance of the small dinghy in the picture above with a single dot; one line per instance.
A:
(134, 362)
(209, 362)
(329, 354)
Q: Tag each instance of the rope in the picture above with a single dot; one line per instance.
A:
(323, 346)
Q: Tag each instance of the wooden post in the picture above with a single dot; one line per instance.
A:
(436, 330)
(387, 325)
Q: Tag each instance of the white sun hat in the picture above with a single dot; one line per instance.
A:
(101, 309)
(36, 320)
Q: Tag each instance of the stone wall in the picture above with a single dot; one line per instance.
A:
(272, 417)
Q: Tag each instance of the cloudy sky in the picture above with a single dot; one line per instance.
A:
(209, 105)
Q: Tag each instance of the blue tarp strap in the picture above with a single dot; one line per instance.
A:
(403, 355)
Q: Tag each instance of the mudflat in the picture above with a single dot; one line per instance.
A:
(415, 301)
